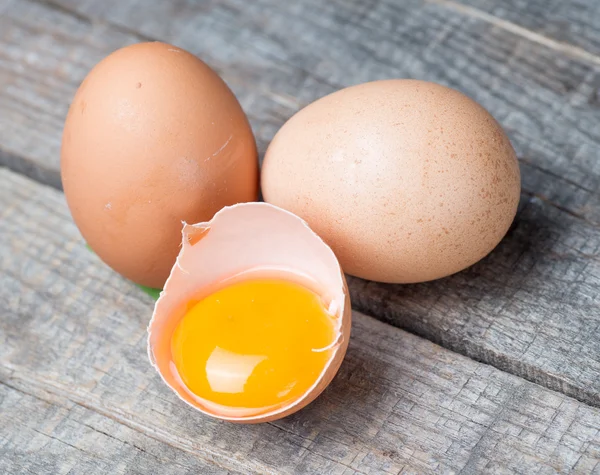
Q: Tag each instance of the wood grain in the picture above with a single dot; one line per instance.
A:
(46, 433)
(566, 22)
(44, 56)
(77, 391)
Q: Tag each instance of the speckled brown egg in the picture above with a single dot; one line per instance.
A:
(153, 137)
(406, 180)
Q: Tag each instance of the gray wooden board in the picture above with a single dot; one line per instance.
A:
(77, 391)
(47, 433)
(531, 308)
(566, 22)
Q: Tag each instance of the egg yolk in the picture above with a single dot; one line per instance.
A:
(253, 344)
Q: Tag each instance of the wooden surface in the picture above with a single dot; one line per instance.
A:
(73, 369)
(77, 390)
(568, 25)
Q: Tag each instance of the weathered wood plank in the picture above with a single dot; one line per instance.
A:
(44, 56)
(72, 345)
(75, 440)
(566, 22)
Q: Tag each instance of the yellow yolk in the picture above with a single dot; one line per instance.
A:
(253, 344)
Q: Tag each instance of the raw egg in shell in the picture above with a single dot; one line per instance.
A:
(254, 319)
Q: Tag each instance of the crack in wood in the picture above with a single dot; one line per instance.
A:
(565, 48)
(562, 208)
(50, 436)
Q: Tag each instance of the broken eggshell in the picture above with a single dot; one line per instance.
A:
(249, 239)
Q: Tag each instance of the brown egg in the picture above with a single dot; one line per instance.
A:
(153, 137)
(406, 180)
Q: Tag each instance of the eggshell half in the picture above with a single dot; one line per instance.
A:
(153, 137)
(406, 180)
(256, 239)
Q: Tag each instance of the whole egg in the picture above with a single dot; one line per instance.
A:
(406, 180)
(153, 137)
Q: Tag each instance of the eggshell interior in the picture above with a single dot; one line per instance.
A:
(250, 238)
